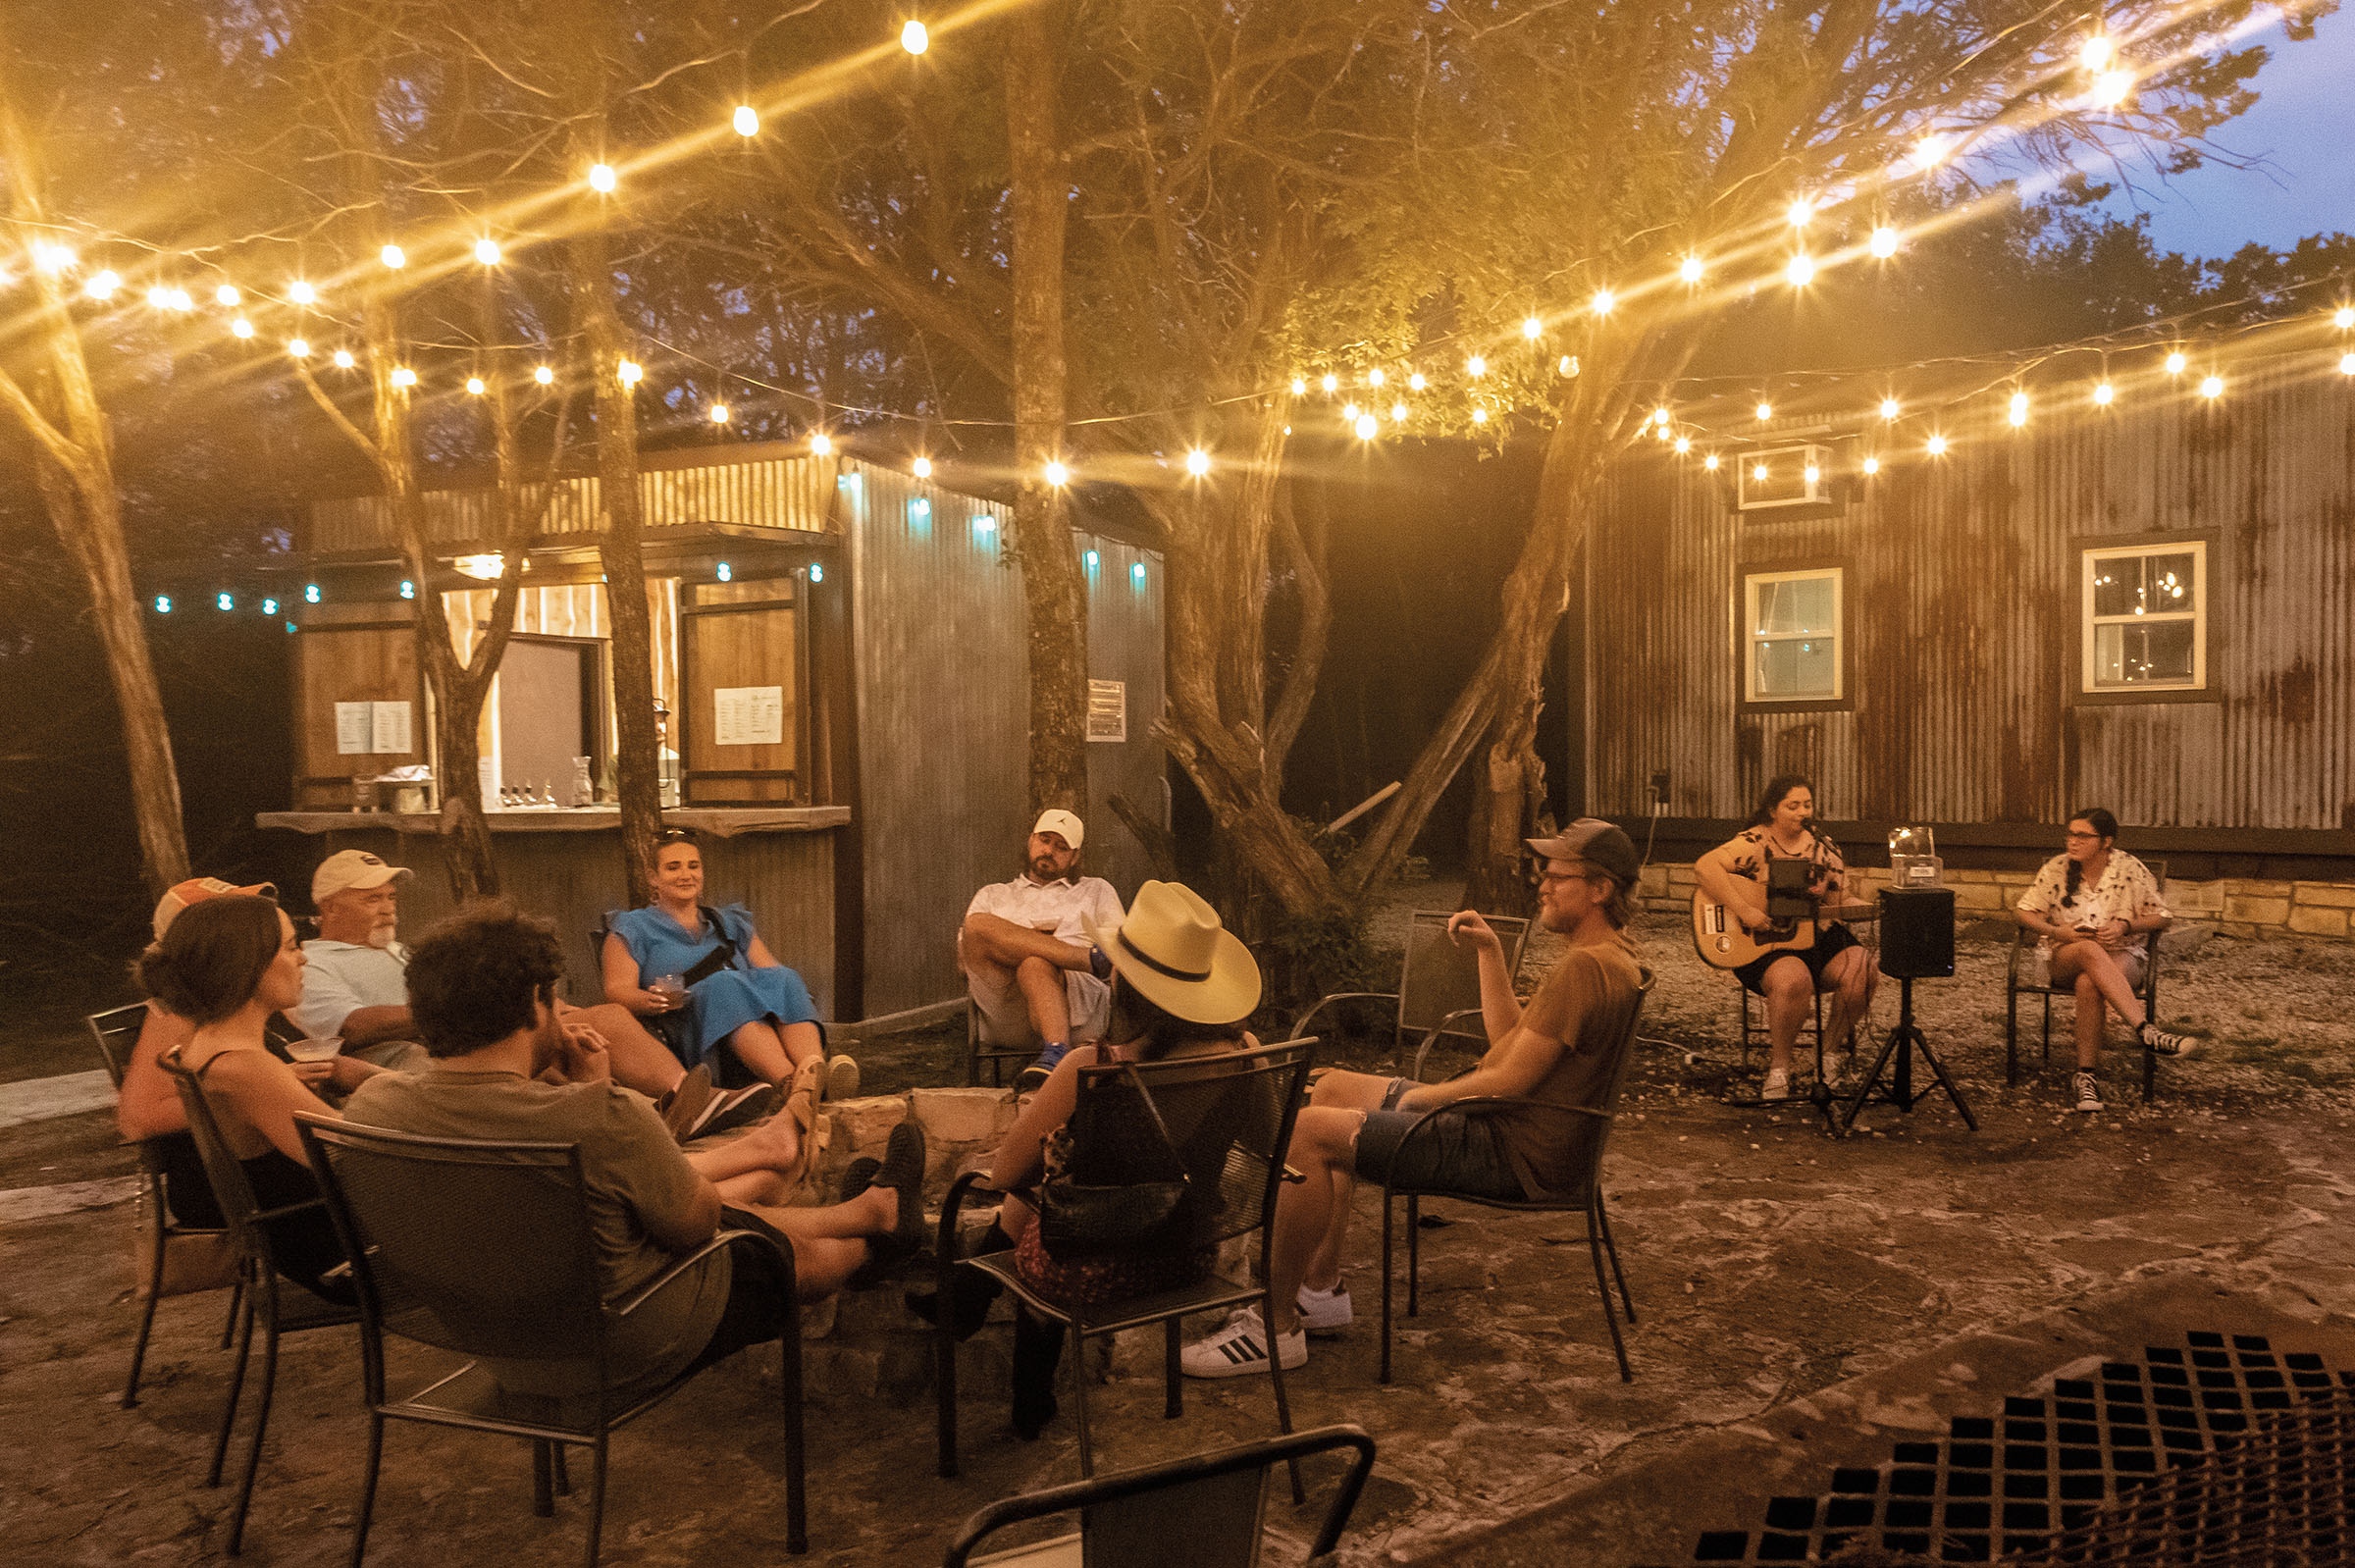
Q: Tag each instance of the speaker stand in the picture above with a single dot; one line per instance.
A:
(1903, 1040)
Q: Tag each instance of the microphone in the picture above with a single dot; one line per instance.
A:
(1816, 833)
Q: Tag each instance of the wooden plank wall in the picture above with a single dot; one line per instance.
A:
(1963, 606)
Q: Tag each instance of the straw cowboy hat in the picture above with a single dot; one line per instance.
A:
(1174, 951)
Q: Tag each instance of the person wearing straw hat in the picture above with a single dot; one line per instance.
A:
(1560, 1049)
(1026, 951)
(1182, 986)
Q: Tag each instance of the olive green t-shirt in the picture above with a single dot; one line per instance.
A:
(633, 1169)
(1586, 1000)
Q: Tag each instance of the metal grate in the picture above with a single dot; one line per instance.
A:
(2007, 1484)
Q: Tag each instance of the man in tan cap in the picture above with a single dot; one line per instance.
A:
(1025, 953)
(1560, 1048)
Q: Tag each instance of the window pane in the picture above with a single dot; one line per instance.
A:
(2143, 585)
(1786, 667)
(1795, 604)
(2139, 653)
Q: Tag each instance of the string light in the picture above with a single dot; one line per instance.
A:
(1532, 328)
(1930, 151)
(821, 443)
(1057, 474)
(1367, 426)
(1709, 462)
(1660, 416)
(2112, 89)
(102, 284)
(2018, 414)
(2346, 364)
(344, 359)
(1331, 384)
(1872, 465)
(1890, 408)
(1397, 413)
(241, 328)
(227, 294)
(1415, 382)
(1374, 377)
(1811, 473)
(1757, 472)
(913, 39)
(1476, 367)
(1937, 446)
(630, 372)
(486, 251)
(746, 120)
(719, 413)
(1800, 212)
(1299, 386)
(2211, 387)
(602, 179)
(403, 375)
(394, 257)
(476, 386)
(922, 468)
(52, 258)
(180, 300)
(1605, 303)
(302, 293)
(1802, 270)
(1350, 412)
(1480, 416)
(160, 298)
(1884, 241)
(1683, 445)
(544, 375)
(2096, 52)
(2175, 363)
(2345, 318)
(300, 348)
(1567, 365)
(1690, 270)
(2103, 395)
(1765, 411)
(1197, 462)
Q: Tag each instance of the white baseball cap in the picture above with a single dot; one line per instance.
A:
(1055, 819)
(350, 868)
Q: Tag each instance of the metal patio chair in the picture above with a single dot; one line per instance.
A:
(1439, 986)
(486, 1249)
(1202, 1511)
(1590, 1127)
(2018, 984)
(1231, 1119)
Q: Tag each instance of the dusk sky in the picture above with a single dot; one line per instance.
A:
(2303, 127)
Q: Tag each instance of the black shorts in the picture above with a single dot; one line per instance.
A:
(1456, 1153)
(1832, 940)
(758, 1290)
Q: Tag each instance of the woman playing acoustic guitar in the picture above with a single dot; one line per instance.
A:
(1735, 874)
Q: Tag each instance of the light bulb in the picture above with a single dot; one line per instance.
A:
(2212, 386)
(1532, 328)
(602, 178)
(1799, 211)
(1937, 446)
(2105, 394)
(630, 372)
(102, 285)
(180, 300)
(746, 120)
(1802, 270)
(2112, 89)
(1757, 472)
(2175, 363)
(2018, 414)
(1709, 462)
(227, 294)
(300, 348)
(1811, 473)
(344, 359)
(1197, 462)
(719, 413)
(1374, 377)
(1476, 367)
(486, 251)
(52, 259)
(2096, 52)
(1765, 411)
(1397, 413)
(1332, 382)
(821, 443)
(922, 468)
(1684, 444)
(160, 298)
(1057, 475)
(2346, 364)
(1480, 416)
(1872, 465)
(476, 386)
(2345, 318)
(1889, 408)
(913, 39)
(1299, 386)
(1691, 270)
(302, 293)
(1605, 301)
(241, 328)
(1930, 151)
(1884, 241)
(1415, 382)
(1367, 426)
(1350, 413)
(544, 375)
(403, 375)
(394, 257)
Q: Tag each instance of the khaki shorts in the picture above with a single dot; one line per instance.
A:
(1006, 1016)
(2133, 963)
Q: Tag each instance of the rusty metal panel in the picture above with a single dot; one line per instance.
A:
(1964, 614)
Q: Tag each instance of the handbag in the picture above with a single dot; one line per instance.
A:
(1116, 1180)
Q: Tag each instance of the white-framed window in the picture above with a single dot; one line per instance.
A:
(1791, 628)
(2146, 617)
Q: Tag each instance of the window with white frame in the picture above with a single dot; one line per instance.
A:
(2146, 617)
(1792, 625)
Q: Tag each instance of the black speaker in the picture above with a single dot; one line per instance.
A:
(1917, 932)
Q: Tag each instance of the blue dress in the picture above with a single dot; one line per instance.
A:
(719, 1004)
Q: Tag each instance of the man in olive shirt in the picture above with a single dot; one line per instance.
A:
(1563, 1048)
(481, 986)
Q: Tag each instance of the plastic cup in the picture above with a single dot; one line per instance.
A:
(316, 1050)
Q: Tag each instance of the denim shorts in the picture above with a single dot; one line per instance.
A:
(1456, 1153)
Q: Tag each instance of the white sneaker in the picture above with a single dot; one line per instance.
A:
(1778, 1086)
(1324, 1312)
(2089, 1092)
(1240, 1347)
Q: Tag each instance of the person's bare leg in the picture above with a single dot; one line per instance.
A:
(640, 1061)
(1850, 979)
(1309, 1213)
(2078, 962)
(2090, 1019)
(1044, 995)
(803, 1044)
(1790, 997)
(994, 939)
(1354, 1094)
(763, 1051)
(767, 1149)
(830, 1243)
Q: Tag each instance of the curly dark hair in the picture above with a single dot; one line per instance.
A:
(212, 959)
(1771, 797)
(474, 976)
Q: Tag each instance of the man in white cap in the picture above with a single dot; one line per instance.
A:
(1026, 956)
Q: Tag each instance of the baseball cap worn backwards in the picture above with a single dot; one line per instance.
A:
(1594, 841)
(195, 890)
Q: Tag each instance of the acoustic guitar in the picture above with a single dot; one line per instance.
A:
(1722, 943)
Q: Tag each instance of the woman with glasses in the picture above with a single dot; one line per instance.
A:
(2095, 910)
(679, 955)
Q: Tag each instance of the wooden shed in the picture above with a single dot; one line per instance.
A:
(840, 650)
(2146, 603)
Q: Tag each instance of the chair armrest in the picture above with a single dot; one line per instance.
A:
(1431, 1038)
(945, 1244)
(1300, 1025)
(1481, 1104)
(286, 1209)
(679, 1267)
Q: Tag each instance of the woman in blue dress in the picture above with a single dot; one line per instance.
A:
(756, 1006)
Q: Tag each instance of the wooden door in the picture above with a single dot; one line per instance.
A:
(743, 684)
(336, 665)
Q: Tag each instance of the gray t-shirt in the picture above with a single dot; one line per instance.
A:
(633, 1169)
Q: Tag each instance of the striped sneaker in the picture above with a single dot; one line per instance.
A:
(2159, 1042)
(1241, 1347)
(1324, 1312)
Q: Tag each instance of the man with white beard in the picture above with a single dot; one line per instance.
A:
(356, 984)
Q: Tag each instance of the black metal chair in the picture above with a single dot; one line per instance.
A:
(979, 1047)
(1589, 1129)
(2017, 985)
(1439, 985)
(1231, 1119)
(117, 1032)
(295, 1310)
(1754, 1021)
(1202, 1511)
(485, 1248)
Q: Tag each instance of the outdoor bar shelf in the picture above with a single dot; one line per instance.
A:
(713, 821)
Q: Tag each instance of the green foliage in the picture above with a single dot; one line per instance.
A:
(1304, 959)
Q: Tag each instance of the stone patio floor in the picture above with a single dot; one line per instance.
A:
(1803, 1302)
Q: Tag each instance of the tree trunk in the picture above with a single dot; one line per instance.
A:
(1054, 590)
(621, 552)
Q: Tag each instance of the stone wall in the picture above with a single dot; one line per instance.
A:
(2232, 905)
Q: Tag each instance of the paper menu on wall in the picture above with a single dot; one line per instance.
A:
(355, 727)
(747, 716)
(1108, 710)
(379, 727)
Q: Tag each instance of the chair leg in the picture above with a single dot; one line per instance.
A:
(237, 1387)
(268, 1292)
(1174, 1398)
(236, 1299)
(543, 1479)
(1087, 1452)
(944, 1378)
(2010, 1038)
(597, 1496)
(376, 1458)
(2044, 1053)
(1284, 1406)
(1385, 1375)
(1414, 1256)
(155, 1285)
(555, 1453)
(797, 1457)
(1610, 1246)
(1602, 1290)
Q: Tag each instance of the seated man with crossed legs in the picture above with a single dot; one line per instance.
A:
(1024, 950)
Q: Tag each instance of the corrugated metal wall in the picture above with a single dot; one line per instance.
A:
(943, 730)
(1963, 604)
